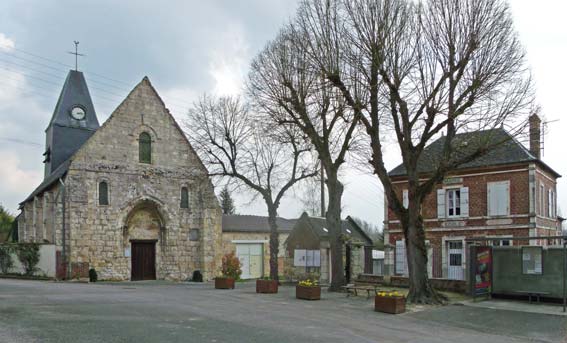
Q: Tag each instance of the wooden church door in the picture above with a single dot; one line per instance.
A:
(143, 261)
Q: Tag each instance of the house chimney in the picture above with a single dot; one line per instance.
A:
(535, 135)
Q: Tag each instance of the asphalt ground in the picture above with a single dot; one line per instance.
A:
(34, 311)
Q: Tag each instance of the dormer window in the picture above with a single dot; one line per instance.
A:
(145, 147)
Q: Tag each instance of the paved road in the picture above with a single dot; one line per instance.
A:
(32, 311)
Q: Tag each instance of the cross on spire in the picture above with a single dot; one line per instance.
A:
(76, 53)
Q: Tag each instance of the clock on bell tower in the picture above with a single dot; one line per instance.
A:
(74, 120)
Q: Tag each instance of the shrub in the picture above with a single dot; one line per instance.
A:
(93, 276)
(6, 261)
(309, 283)
(197, 276)
(231, 266)
(28, 254)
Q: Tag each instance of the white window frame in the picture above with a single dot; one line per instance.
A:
(551, 203)
(452, 204)
(400, 258)
(499, 239)
(489, 191)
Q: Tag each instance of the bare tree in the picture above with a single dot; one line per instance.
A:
(284, 85)
(233, 142)
(415, 70)
(310, 196)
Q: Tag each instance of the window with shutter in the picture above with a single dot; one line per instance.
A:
(440, 203)
(103, 193)
(541, 199)
(145, 147)
(464, 201)
(184, 197)
(405, 198)
(498, 198)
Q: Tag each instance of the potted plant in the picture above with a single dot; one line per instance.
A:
(390, 302)
(308, 290)
(230, 272)
(266, 285)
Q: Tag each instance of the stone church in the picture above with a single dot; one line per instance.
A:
(130, 198)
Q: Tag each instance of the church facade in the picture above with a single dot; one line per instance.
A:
(130, 198)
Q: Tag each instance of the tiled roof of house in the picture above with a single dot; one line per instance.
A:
(505, 150)
(248, 223)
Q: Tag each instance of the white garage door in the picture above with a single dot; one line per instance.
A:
(251, 260)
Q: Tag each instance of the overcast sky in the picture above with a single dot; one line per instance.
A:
(190, 47)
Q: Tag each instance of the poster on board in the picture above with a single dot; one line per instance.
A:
(482, 270)
(313, 258)
(300, 258)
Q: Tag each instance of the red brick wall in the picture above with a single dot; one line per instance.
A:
(543, 177)
(519, 195)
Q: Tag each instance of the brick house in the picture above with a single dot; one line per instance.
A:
(249, 238)
(508, 192)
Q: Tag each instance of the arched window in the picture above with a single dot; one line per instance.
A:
(184, 198)
(145, 146)
(103, 193)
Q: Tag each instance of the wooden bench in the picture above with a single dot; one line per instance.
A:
(531, 294)
(354, 289)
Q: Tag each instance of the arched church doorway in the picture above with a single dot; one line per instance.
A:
(143, 230)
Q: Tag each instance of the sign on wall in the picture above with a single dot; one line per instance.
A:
(532, 260)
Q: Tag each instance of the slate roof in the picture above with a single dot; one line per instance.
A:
(505, 150)
(319, 226)
(74, 92)
(248, 223)
(50, 180)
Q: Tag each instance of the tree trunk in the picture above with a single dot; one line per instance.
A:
(274, 242)
(335, 231)
(420, 291)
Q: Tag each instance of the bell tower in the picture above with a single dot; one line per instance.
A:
(73, 122)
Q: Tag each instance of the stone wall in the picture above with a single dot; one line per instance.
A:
(457, 286)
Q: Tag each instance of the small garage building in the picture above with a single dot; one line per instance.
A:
(249, 237)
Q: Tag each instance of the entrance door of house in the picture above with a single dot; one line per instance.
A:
(251, 260)
(143, 260)
(455, 260)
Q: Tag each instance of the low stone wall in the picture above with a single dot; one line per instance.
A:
(458, 286)
(45, 266)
